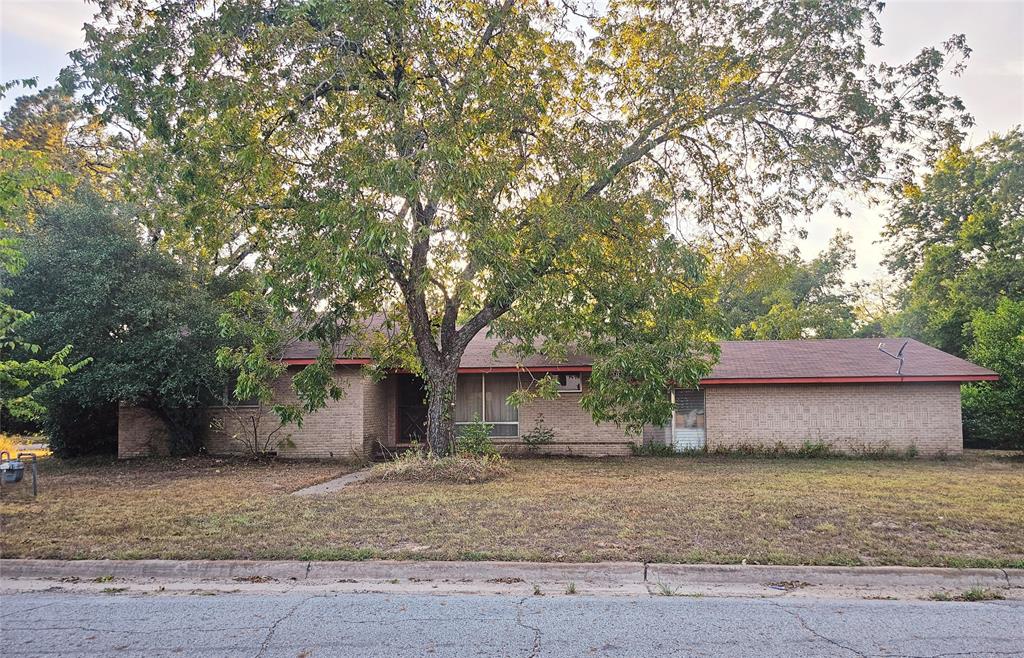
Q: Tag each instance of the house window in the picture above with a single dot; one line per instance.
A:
(485, 397)
(570, 382)
(688, 421)
(228, 398)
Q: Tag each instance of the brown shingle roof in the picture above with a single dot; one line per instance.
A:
(837, 358)
(828, 359)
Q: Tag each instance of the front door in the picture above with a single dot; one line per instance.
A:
(412, 409)
(688, 426)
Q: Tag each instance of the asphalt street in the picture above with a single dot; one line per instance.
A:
(364, 625)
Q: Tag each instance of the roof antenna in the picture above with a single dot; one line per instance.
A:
(898, 355)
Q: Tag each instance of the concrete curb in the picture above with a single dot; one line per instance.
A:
(868, 577)
(604, 574)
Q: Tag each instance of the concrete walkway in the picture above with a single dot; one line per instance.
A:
(336, 484)
(510, 578)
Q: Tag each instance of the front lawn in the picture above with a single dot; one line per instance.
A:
(967, 512)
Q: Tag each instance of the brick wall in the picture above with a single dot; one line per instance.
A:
(849, 417)
(576, 433)
(375, 414)
(343, 429)
(846, 416)
(658, 434)
(140, 433)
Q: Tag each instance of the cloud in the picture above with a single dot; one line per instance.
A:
(52, 24)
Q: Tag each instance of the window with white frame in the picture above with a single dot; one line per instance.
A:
(228, 398)
(570, 382)
(485, 398)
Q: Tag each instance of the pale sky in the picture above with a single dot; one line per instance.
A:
(35, 36)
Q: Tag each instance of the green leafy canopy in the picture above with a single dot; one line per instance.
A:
(27, 170)
(994, 411)
(957, 237)
(463, 165)
(147, 323)
(768, 295)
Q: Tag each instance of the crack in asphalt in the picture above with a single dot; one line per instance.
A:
(536, 629)
(185, 629)
(23, 611)
(961, 653)
(273, 627)
(796, 615)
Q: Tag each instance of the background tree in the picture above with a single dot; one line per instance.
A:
(994, 411)
(957, 238)
(146, 322)
(25, 170)
(768, 295)
(504, 165)
(51, 125)
(876, 307)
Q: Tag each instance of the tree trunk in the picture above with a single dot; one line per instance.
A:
(441, 409)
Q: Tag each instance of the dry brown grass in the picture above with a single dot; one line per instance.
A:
(966, 512)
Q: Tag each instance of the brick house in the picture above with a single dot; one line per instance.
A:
(846, 393)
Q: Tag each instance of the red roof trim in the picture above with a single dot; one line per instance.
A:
(502, 369)
(527, 369)
(337, 362)
(851, 380)
(704, 382)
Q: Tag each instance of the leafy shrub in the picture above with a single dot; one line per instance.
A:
(653, 450)
(76, 430)
(255, 429)
(749, 450)
(147, 322)
(475, 439)
(814, 450)
(539, 435)
(414, 466)
(994, 411)
(977, 593)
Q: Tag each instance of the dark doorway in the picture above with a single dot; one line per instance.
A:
(411, 396)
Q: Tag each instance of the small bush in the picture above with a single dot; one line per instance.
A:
(665, 590)
(750, 450)
(474, 439)
(79, 430)
(814, 450)
(981, 594)
(539, 435)
(973, 594)
(458, 469)
(653, 450)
